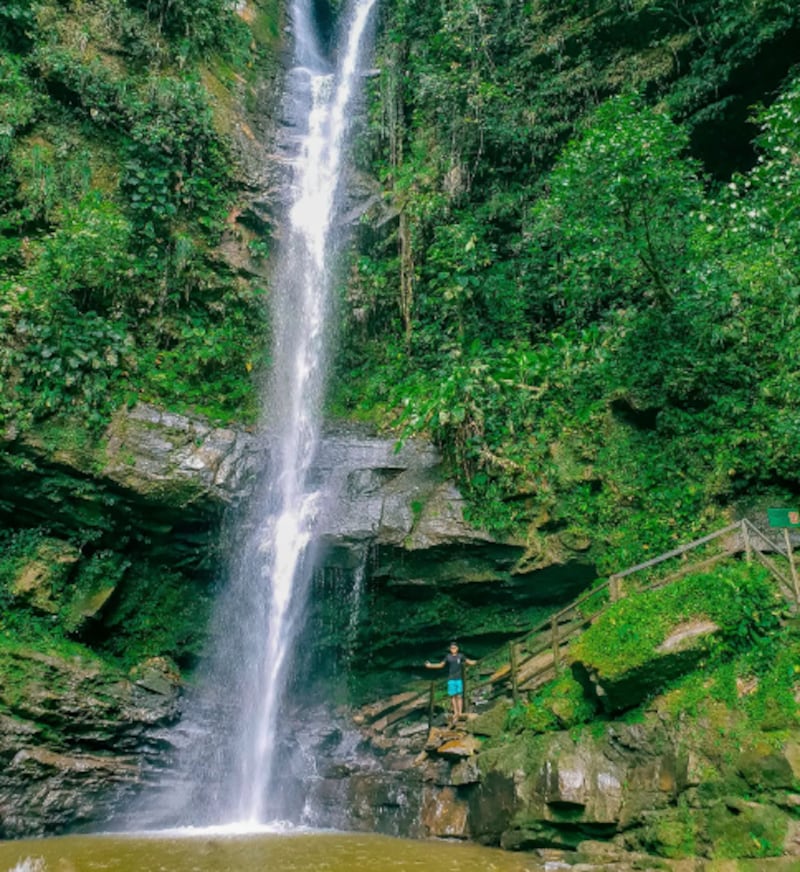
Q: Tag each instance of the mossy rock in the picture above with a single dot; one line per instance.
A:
(672, 833)
(41, 579)
(737, 828)
(491, 723)
(765, 767)
(645, 641)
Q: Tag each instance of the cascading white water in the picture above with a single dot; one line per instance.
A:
(301, 311)
(230, 776)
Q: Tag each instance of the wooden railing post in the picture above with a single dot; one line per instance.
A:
(463, 688)
(613, 588)
(431, 696)
(512, 659)
(748, 547)
(556, 645)
(792, 566)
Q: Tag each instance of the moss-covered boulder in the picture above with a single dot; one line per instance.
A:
(730, 828)
(40, 576)
(492, 722)
(560, 789)
(642, 643)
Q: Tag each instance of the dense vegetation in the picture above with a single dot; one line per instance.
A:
(52, 596)
(120, 177)
(116, 177)
(732, 700)
(589, 294)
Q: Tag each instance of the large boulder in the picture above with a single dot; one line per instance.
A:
(557, 789)
(680, 652)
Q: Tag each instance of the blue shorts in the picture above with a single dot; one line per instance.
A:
(455, 686)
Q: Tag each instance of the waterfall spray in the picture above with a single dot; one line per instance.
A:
(288, 506)
(262, 609)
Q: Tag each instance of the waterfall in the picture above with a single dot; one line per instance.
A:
(261, 610)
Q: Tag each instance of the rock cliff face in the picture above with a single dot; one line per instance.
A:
(114, 549)
(74, 735)
(652, 786)
(656, 786)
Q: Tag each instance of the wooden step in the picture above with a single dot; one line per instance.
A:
(419, 701)
(380, 707)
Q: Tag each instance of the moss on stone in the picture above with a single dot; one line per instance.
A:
(641, 644)
(737, 828)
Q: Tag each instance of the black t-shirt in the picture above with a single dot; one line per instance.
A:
(454, 664)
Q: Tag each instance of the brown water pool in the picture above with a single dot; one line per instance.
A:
(205, 851)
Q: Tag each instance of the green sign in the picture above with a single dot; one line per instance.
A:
(784, 517)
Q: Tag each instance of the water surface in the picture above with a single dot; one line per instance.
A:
(267, 852)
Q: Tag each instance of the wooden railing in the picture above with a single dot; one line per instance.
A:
(538, 655)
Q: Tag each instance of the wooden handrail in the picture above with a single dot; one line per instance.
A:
(751, 528)
(548, 629)
(770, 566)
(676, 552)
(555, 633)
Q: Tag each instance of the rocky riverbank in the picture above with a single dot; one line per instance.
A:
(615, 792)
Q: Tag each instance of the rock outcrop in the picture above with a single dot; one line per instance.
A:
(608, 791)
(677, 655)
(74, 736)
(117, 534)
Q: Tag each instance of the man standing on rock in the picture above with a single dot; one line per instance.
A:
(455, 662)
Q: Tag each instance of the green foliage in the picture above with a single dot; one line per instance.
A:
(769, 673)
(613, 226)
(17, 548)
(86, 257)
(225, 354)
(745, 831)
(16, 19)
(18, 101)
(155, 612)
(559, 705)
(774, 705)
(176, 164)
(63, 360)
(96, 579)
(115, 183)
(124, 610)
(604, 349)
(741, 600)
(194, 26)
